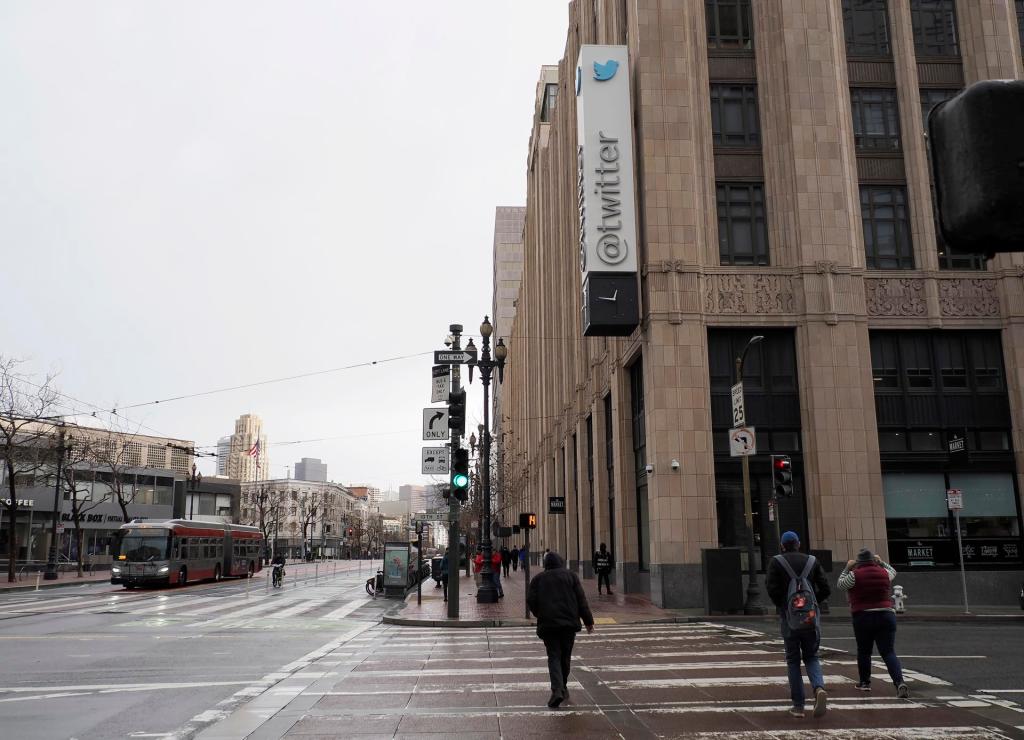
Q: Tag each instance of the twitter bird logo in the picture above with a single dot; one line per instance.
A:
(604, 72)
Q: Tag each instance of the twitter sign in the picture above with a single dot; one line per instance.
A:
(606, 191)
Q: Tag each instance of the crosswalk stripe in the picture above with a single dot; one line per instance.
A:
(344, 611)
(299, 608)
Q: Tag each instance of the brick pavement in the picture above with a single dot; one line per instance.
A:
(702, 680)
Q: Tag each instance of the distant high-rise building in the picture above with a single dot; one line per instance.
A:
(419, 498)
(310, 468)
(246, 457)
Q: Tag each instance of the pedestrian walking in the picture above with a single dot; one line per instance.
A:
(515, 558)
(478, 564)
(603, 564)
(496, 573)
(556, 598)
(506, 560)
(523, 555)
(444, 574)
(796, 585)
(868, 583)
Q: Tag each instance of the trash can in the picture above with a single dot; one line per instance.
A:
(723, 580)
(435, 570)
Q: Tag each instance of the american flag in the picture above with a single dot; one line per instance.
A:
(254, 451)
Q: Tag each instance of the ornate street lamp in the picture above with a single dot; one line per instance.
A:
(487, 594)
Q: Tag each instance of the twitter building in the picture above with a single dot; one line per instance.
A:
(736, 315)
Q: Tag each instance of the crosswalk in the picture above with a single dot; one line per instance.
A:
(702, 680)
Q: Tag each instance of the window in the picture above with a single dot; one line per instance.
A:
(876, 119)
(931, 97)
(636, 386)
(609, 452)
(729, 24)
(935, 33)
(866, 27)
(887, 242)
(734, 121)
(742, 229)
(590, 480)
(1020, 22)
(547, 110)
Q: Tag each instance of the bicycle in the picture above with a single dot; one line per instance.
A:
(277, 576)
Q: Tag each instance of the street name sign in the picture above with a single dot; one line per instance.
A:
(742, 442)
(739, 415)
(556, 504)
(435, 424)
(440, 383)
(435, 461)
(454, 357)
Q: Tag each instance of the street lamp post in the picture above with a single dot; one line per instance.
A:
(51, 562)
(753, 604)
(488, 594)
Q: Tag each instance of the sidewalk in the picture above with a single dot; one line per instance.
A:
(64, 578)
(623, 608)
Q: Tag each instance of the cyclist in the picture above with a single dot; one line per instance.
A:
(278, 562)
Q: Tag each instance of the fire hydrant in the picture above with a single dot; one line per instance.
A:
(897, 598)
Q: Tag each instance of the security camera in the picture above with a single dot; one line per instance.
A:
(649, 468)
(675, 464)
(449, 341)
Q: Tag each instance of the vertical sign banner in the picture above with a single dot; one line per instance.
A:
(606, 192)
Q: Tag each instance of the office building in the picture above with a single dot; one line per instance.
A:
(311, 469)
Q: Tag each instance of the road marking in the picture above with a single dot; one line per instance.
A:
(299, 608)
(944, 657)
(344, 611)
(671, 683)
(117, 687)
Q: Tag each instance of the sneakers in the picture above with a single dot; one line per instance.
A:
(863, 686)
(820, 702)
(902, 691)
(796, 712)
(555, 700)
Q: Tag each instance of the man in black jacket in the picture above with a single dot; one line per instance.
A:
(803, 642)
(556, 598)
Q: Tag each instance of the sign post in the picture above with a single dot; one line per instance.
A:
(955, 502)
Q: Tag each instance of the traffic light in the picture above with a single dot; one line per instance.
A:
(527, 521)
(350, 531)
(460, 471)
(782, 476)
(457, 412)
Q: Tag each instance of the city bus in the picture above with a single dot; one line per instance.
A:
(179, 550)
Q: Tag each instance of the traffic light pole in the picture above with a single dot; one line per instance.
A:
(453, 500)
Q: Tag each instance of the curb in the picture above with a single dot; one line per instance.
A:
(44, 585)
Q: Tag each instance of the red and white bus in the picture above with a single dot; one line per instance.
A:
(181, 550)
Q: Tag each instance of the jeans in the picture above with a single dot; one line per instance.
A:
(876, 628)
(444, 585)
(603, 577)
(803, 643)
(505, 567)
(558, 642)
(496, 578)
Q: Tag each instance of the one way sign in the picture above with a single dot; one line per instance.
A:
(435, 424)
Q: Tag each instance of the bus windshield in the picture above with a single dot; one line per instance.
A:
(142, 549)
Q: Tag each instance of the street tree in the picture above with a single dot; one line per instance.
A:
(309, 506)
(83, 486)
(265, 511)
(115, 452)
(27, 420)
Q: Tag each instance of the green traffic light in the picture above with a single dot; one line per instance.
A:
(460, 481)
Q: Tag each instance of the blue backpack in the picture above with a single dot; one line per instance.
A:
(801, 611)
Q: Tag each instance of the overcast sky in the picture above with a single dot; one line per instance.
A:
(195, 195)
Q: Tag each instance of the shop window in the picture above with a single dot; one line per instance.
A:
(995, 441)
(915, 505)
(935, 29)
(990, 504)
(887, 244)
(729, 24)
(876, 119)
(734, 118)
(742, 226)
(866, 27)
(636, 383)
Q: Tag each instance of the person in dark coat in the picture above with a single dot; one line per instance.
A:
(603, 564)
(803, 642)
(515, 558)
(868, 584)
(556, 598)
(444, 574)
(506, 560)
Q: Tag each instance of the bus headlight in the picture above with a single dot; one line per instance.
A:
(115, 570)
(163, 570)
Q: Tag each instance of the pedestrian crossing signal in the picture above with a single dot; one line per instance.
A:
(527, 521)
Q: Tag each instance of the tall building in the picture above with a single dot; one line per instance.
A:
(781, 190)
(223, 453)
(311, 469)
(245, 461)
(419, 498)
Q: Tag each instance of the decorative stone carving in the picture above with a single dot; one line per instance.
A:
(825, 267)
(895, 297)
(975, 297)
(748, 293)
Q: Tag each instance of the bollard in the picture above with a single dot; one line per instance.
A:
(316, 573)
(37, 575)
(248, 577)
(268, 578)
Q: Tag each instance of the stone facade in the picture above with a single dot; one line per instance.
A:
(817, 284)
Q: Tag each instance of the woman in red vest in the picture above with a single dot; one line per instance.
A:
(867, 581)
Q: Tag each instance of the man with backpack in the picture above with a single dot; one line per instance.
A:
(796, 585)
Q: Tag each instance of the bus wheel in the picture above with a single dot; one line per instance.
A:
(216, 573)
(182, 576)
(129, 586)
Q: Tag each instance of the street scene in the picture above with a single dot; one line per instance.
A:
(558, 368)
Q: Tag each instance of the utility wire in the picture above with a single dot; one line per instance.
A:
(274, 380)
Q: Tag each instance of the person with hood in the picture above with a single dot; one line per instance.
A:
(556, 598)
(514, 556)
(867, 582)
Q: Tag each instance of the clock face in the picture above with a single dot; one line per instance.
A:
(610, 304)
